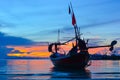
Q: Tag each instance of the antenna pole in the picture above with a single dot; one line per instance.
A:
(58, 35)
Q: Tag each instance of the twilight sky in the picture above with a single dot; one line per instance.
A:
(39, 20)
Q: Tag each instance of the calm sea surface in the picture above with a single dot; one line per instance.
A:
(42, 69)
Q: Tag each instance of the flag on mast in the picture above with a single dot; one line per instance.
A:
(73, 20)
(72, 15)
(69, 10)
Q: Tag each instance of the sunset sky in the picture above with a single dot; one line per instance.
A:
(25, 21)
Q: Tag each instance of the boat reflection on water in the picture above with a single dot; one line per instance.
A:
(69, 73)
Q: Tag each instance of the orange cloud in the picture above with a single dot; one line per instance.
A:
(31, 51)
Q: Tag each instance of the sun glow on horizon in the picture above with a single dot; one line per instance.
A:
(41, 51)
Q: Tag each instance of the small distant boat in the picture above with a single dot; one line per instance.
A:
(78, 56)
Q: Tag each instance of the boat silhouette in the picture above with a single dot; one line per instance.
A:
(78, 56)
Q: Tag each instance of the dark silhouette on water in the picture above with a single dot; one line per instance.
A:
(78, 56)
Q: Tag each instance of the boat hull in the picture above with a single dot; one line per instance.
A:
(71, 61)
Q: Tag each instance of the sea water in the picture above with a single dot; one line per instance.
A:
(42, 69)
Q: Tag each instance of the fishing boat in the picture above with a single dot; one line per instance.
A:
(78, 56)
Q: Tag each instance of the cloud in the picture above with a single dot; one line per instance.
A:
(6, 40)
(4, 50)
(11, 40)
(101, 23)
(69, 28)
(117, 39)
(63, 30)
(16, 51)
(95, 42)
(4, 24)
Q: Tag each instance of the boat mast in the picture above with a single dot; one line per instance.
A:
(76, 35)
(77, 31)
